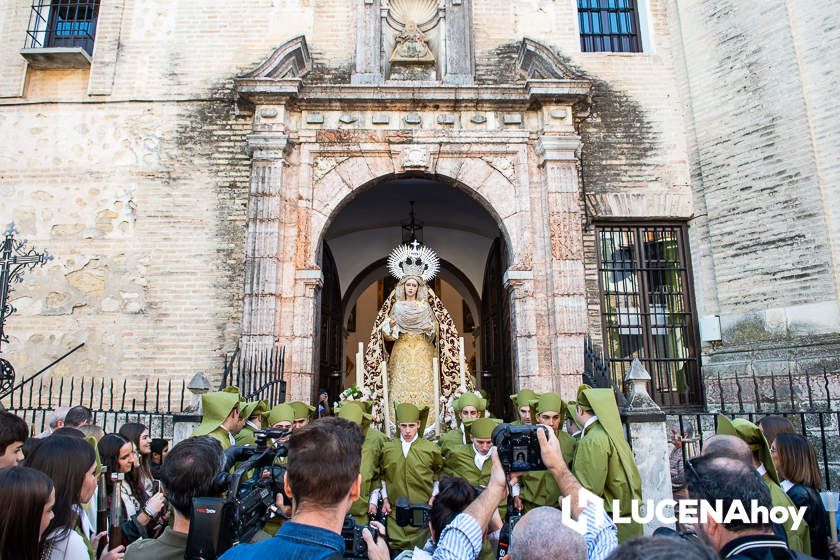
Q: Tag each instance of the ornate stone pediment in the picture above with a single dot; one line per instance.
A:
(289, 60)
(536, 61)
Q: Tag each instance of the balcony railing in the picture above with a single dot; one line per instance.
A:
(61, 33)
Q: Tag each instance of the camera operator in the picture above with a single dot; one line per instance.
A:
(323, 480)
(188, 471)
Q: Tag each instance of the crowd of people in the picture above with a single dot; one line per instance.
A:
(338, 464)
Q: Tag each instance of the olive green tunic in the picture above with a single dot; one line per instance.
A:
(601, 469)
(371, 461)
(411, 477)
(799, 539)
(222, 436)
(451, 439)
(460, 462)
(538, 488)
(246, 436)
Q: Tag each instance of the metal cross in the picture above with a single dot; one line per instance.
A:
(14, 260)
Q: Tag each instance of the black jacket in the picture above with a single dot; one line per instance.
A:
(760, 547)
(803, 496)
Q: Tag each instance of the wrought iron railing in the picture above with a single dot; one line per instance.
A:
(62, 23)
(113, 402)
(258, 373)
(806, 400)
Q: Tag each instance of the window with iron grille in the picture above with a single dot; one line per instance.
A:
(63, 23)
(647, 308)
(609, 26)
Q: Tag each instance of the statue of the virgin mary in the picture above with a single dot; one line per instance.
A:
(421, 329)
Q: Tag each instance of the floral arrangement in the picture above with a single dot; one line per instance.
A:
(354, 393)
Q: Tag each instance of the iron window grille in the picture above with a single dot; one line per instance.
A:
(609, 26)
(647, 308)
(62, 23)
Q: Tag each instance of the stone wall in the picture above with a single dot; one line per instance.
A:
(134, 173)
(762, 124)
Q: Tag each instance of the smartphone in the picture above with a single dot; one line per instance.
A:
(155, 486)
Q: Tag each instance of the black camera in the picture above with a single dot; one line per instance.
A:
(414, 515)
(216, 523)
(518, 447)
(355, 546)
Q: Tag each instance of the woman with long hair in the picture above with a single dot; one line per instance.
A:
(27, 497)
(138, 434)
(71, 464)
(796, 462)
(137, 517)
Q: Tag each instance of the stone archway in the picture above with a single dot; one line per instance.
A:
(512, 148)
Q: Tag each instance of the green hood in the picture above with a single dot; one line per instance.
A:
(407, 412)
(571, 412)
(349, 410)
(524, 398)
(252, 409)
(302, 410)
(582, 400)
(752, 436)
(217, 407)
(281, 413)
(547, 402)
(481, 428)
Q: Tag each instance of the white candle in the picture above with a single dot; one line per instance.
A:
(385, 402)
(462, 362)
(436, 408)
(360, 366)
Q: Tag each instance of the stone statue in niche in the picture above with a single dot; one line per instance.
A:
(412, 57)
(412, 46)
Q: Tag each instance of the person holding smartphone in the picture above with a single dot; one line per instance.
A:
(138, 518)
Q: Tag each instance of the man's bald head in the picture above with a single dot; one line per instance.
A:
(731, 447)
(541, 534)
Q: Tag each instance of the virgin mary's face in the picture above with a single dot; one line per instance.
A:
(411, 286)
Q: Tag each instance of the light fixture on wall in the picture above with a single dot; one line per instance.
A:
(412, 230)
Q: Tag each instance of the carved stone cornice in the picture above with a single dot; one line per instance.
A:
(267, 145)
(513, 279)
(557, 148)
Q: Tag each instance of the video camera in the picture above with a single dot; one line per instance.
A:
(414, 515)
(216, 524)
(518, 447)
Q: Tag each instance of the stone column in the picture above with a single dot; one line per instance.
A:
(565, 271)
(368, 68)
(303, 354)
(519, 285)
(262, 241)
(460, 58)
(648, 436)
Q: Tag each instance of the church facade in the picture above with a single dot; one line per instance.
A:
(649, 178)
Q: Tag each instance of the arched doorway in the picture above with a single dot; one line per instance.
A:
(466, 237)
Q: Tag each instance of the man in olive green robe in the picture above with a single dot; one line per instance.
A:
(410, 469)
(371, 459)
(538, 488)
(467, 407)
(221, 419)
(574, 427)
(253, 412)
(303, 414)
(472, 463)
(522, 402)
(604, 463)
(798, 539)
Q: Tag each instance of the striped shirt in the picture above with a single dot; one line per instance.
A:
(462, 539)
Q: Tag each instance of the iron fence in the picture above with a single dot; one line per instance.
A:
(805, 400)
(258, 373)
(113, 402)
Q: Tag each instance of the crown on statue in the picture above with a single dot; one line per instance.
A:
(413, 260)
